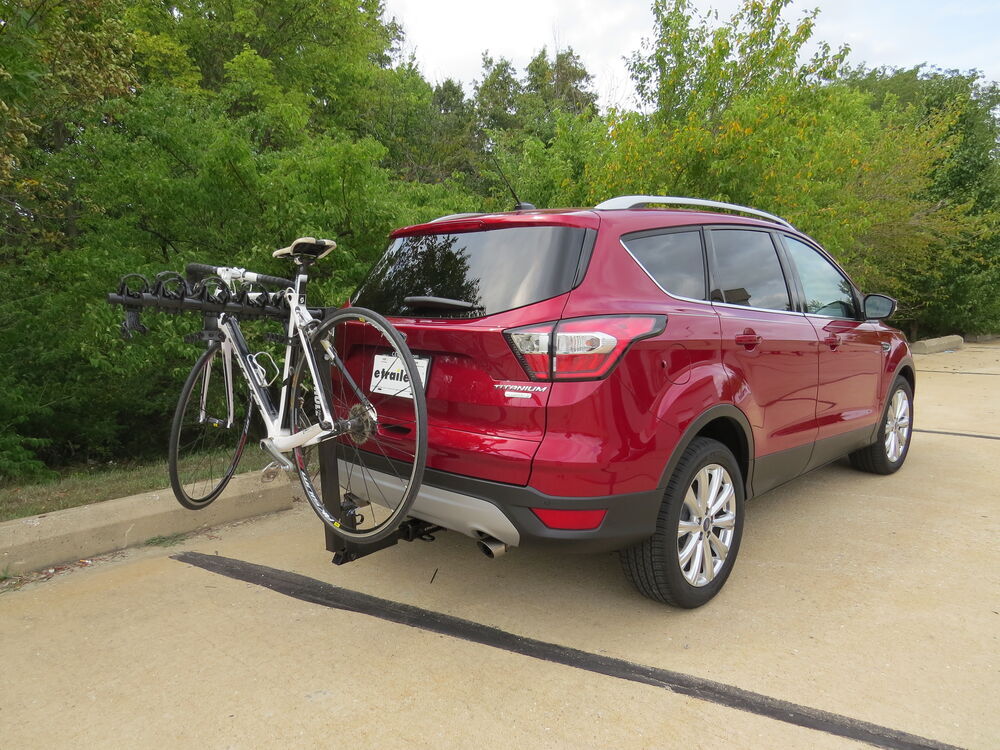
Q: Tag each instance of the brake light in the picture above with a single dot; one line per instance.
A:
(579, 348)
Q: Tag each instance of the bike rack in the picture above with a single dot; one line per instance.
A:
(171, 294)
(192, 304)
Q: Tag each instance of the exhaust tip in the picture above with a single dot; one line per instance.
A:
(491, 547)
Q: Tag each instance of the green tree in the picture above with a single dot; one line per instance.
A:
(552, 87)
(58, 62)
(694, 68)
(961, 292)
(496, 95)
(531, 127)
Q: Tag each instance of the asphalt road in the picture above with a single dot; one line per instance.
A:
(862, 610)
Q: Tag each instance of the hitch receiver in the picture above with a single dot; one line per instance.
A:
(345, 551)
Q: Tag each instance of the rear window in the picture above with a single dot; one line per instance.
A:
(494, 270)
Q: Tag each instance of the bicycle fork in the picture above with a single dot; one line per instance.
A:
(226, 352)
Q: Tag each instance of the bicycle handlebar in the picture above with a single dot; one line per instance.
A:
(263, 278)
(196, 271)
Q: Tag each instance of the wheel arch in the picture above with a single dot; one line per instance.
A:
(729, 426)
(906, 371)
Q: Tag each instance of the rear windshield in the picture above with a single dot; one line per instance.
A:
(494, 270)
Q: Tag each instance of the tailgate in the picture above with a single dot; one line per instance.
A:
(453, 291)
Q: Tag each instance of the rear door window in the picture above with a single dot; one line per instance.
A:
(494, 270)
(747, 271)
(673, 259)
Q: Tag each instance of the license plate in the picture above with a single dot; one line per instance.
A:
(389, 375)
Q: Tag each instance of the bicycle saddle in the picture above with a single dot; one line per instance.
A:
(306, 247)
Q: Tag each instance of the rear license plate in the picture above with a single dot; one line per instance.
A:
(389, 375)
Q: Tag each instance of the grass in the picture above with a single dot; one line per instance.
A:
(166, 541)
(95, 484)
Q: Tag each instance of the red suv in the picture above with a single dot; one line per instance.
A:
(624, 377)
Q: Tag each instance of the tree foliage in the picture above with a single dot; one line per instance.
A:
(692, 68)
(59, 62)
(962, 292)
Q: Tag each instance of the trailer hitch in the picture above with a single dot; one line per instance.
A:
(412, 529)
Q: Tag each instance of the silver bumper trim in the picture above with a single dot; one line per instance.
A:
(467, 515)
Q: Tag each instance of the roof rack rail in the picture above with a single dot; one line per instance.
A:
(453, 217)
(635, 201)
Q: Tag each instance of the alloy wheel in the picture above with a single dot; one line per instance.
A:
(707, 524)
(897, 426)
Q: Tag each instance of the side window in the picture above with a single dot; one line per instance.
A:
(747, 271)
(673, 259)
(827, 291)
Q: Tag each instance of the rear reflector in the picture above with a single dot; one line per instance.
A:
(576, 520)
(579, 348)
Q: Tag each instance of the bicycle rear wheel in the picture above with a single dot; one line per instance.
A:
(205, 444)
(375, 387)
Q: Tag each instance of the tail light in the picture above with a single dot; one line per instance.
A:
(579, 348)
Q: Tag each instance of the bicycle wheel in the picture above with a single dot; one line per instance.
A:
(375, 392)
(205, 445)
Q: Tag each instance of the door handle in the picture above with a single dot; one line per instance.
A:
(832, 341)
(748, 338)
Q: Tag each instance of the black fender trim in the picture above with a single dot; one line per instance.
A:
(907, 361)
(719, 411)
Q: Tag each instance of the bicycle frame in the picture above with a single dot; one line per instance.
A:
(280, 435)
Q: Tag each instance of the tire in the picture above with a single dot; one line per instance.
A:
(391, 443)
(895, 431)
(204, 453)
(666, 567)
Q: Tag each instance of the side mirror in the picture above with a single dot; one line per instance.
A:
(879, 306)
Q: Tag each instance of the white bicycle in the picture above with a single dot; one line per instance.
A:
(347, 376)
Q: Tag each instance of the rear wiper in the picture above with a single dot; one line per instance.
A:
(440, 303)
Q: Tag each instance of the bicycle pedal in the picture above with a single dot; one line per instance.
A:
(270, 472)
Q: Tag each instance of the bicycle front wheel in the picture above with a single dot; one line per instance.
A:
(206, 440)
(373, 385)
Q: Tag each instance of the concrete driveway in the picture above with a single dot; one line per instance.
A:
(862, 610)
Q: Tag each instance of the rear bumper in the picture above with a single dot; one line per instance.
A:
(478, 507)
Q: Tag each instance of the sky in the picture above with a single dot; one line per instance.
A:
(449, 37)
